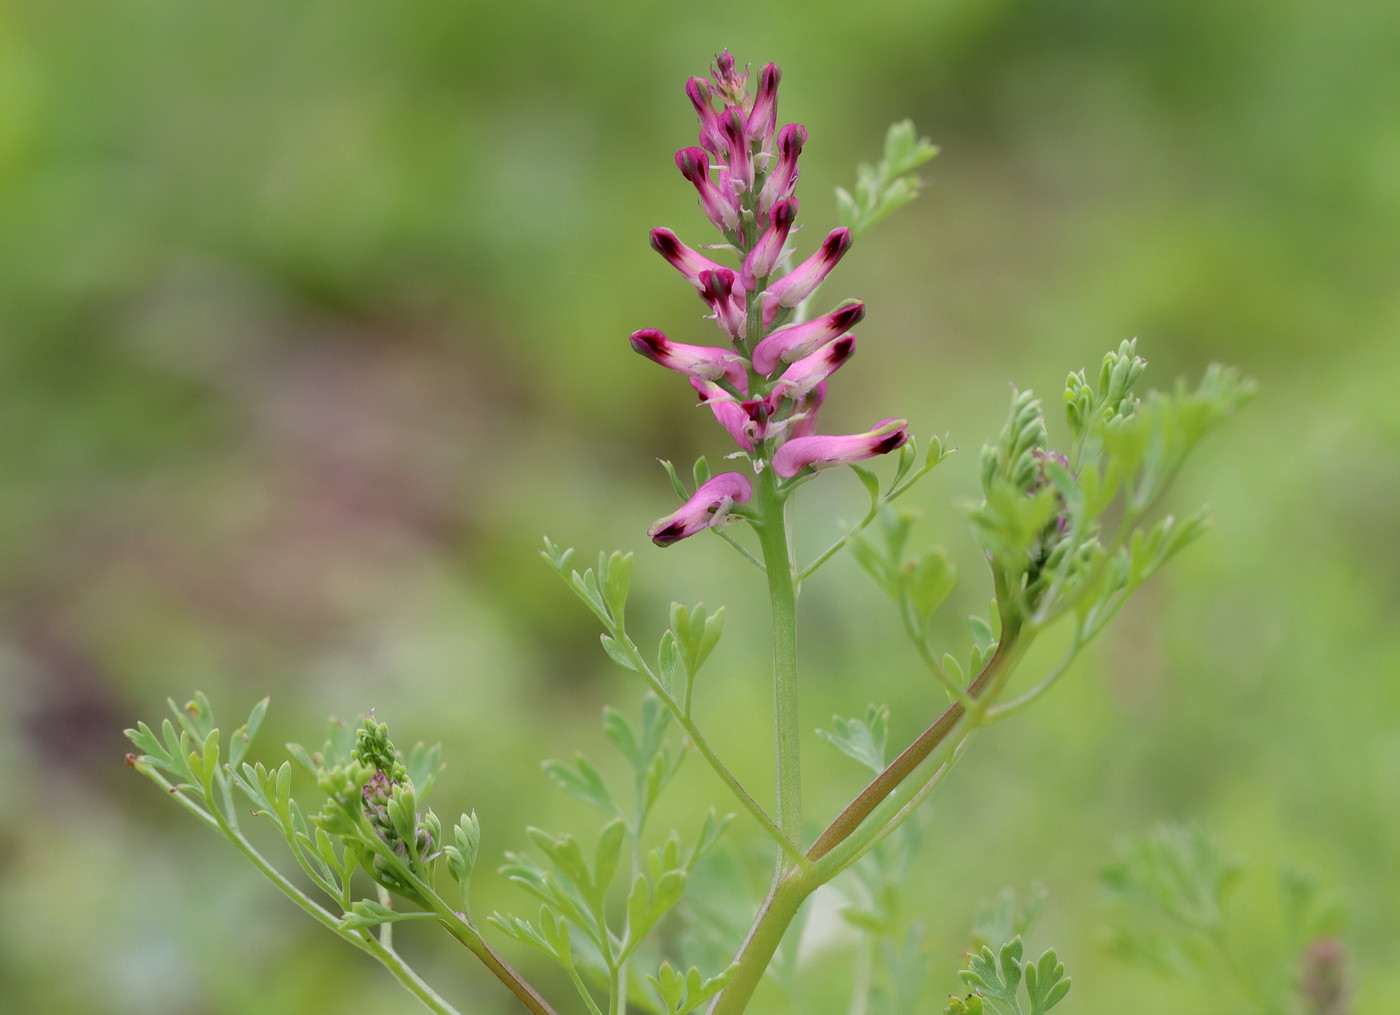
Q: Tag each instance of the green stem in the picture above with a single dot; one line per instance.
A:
(787, 843)
(756, 954)
(782, 596)
(903, 766)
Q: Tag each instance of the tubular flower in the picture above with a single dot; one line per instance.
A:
(708, 506)
(698, 89)
(782, 177)
(702, 361)
(787, 345)
(809, 371)
(740, 154)
(802, 281)
(717, 289)
(729, 413)
(694, 164)
(764, 256)
(818, 452)
(688, 262)
(763, 115)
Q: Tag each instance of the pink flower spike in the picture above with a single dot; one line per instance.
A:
(809, 371)
(708, 506)
(701, 361)
(764, 256)
(782, 176)
(763, 117)
(729, 413)
(694, 164)
(802, 281)
(822, 450)
(787, 345)
(688, 262)
(717, 290)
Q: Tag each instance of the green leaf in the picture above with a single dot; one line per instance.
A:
(606, 856)
(466, 844)
(928, 580)
(616, 573)
(617, 653)
(863, 740)
(683, 993)
(982, 635)
(668, 661)
(697, 633)
(996, 974)
(1046, 983)
(367, 913)
(583, 782)
(551, 937)
(243, 736)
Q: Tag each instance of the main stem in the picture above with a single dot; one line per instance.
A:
(782, 595)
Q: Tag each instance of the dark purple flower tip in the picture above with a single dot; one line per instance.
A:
(787, 345)
(822, 450)
(763, 117)
(709, 506)
(699, 361)
(688, 262)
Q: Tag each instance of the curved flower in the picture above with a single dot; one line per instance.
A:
(702, 361)
(694, 164)
(787, 345)
(802, 281)
(689, 263)
(763, 117)
(782, 177)
(764, 256)
(717, 290)
(729, 412)
(822, 450)
(809, 371)
(708, 506)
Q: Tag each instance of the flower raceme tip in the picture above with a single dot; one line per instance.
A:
(765, 384)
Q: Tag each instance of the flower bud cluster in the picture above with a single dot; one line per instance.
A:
(766, 385)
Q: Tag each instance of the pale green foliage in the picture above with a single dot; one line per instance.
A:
(1169, 902)
(997, 977)
(861, 739)
(888, 185)
(581, 904)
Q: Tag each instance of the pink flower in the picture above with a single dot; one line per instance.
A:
(792, 343)
(701, 361)
(802, 281)
(732, 86)
(740, 152)
(782, 177)
(764, 256)
(809, 371)
(820, 451)
(803, 422)
(698, 89)
(763, 117)
(717, 290)
(729, 412)
(694, 164)
(688, 262)
(708, 506)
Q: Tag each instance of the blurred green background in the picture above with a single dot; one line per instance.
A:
(314, 320)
